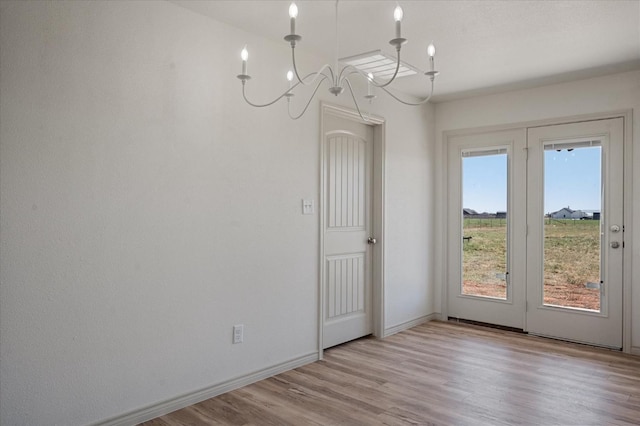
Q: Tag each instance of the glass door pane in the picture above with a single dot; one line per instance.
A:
(484, 224)
(572, 234)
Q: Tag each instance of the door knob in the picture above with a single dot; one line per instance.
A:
(615, 244)
(371, 240)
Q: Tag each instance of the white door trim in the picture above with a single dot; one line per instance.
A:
(378, 202)
(627, 115)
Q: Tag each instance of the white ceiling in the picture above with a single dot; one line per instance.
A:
(482, 46)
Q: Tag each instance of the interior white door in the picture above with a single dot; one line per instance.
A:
(348, 160)
(574, 269)
(486, 259)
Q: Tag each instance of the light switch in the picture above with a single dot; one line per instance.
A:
(307, 206)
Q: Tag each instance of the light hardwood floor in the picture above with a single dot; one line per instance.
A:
(438, 373)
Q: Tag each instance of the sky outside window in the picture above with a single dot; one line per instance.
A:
(572, 178)
(485, 183)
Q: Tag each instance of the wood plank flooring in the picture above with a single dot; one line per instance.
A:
(439, 373)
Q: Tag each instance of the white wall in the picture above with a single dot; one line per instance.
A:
(145, 210)
(598, 95)
(410, 207)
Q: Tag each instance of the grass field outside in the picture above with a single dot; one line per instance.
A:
(571, 260)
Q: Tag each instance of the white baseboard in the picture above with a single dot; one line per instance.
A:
(160, 409)
(409, 324)
(635, 350)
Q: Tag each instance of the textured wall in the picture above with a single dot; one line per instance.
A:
(145, 210)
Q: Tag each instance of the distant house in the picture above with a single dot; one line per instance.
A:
(579, 214)
(563, 213)
(567, 213)
(471, 213)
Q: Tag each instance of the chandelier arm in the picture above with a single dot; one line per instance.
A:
(424, 101)
(352, 70)
(308, 102)
(317, 73)
(393, 77)
(355, 102)
(324, 77)
(268, 103)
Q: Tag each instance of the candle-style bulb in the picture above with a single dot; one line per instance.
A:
(293, 11)
(398, 14)
(290, 78)
(431, 50)
(244, 55)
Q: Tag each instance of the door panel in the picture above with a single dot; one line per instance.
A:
(486, 221)
(347, 277)
(574, 273)
(347, 181)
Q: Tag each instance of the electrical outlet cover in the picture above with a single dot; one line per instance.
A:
(238, 333)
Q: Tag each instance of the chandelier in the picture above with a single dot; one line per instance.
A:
(339, 77)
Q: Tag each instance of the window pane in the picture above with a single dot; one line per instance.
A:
(572, 202)
(484, 231)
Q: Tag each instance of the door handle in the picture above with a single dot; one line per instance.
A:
(371, 241)
(615, 244)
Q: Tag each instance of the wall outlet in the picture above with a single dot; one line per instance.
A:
(238, 333)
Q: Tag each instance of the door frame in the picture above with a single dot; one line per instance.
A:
(627, 194)
(377, 212)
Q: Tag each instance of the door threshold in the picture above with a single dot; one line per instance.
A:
(486, 324)
(577, 342)
(521, 331)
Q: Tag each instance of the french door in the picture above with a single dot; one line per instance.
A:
(535, 230)
(486, 221)
(575, 241)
